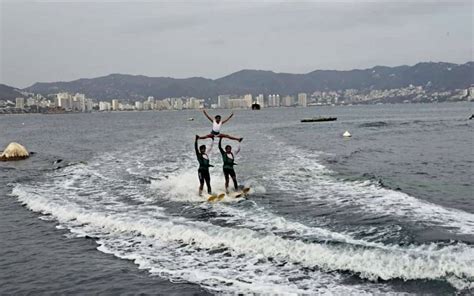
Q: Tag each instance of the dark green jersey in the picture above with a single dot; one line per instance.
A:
(228, 161)
(203, 161)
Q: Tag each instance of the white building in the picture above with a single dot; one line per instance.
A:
(105, 106)
(115, 105)
(79, 102)
(138, 106)
(165, 104)
(20, 103)
(178, 104)
(147, 105)
(302, 100)
(261, 100)
(64, 100)
(89, 105)
(30, 102)
(247, 101)
(471, 93)
(273, 100)
(194, 103)
(288, 101)
(223, 101)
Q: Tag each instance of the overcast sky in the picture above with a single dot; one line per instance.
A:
(64, 40)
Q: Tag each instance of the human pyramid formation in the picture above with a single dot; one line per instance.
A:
(202, 154)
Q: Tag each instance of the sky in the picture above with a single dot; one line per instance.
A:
(45, 41)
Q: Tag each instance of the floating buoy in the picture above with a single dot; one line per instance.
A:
(347, 134)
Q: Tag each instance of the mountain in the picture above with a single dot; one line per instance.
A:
(8, 92)
(436, 76)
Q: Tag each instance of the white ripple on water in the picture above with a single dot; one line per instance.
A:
(301, 172)
(181, 249)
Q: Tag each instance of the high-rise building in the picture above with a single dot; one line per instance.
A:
(302, 100)
(247, 101)
(165, 104)
(223, 101)
(115, 105)
(89, 105)
(288, 101)
(261, 100)
(30, 102)
(178, 104)
(64, 100)
(20, 103)
(274, 101)
(138, 106)
(79, 102)
(105, 106)
(147, 105)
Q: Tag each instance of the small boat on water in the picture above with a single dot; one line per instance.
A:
(255, 106)
(318, 119)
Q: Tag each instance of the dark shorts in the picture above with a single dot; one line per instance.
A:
(229, 172)
(204, 176)
(215, 133)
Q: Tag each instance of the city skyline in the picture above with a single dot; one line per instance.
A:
(68, 41)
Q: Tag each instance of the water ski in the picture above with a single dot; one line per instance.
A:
(215, 197)
(241, 193)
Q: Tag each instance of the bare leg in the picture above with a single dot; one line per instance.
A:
(210, 136)
(230, 137)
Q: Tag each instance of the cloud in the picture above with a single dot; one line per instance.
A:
(68, 40)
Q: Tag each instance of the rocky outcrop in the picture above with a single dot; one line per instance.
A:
(14, 151)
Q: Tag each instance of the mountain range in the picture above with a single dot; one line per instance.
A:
(9, 92)
(435, 76)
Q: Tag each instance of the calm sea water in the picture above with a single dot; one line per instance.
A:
(390, 210)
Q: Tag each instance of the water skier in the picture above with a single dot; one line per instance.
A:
(217, 123)
(203, 159)
(228, 160)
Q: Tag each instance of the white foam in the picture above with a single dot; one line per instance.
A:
(315, 183)
(179, 185)
(452, 263)
(125, 218)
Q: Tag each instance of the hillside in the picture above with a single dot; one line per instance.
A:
(435, 76)
(8, 92)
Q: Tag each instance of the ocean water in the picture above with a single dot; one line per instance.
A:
(108, 204)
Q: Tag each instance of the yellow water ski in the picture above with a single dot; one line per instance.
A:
(215, 197)
(220, 196)
(243, 193)
(212, 197)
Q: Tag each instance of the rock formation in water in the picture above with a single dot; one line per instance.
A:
(14, 151)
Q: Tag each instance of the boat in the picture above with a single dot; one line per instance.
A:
(318, 119)
(255, 106)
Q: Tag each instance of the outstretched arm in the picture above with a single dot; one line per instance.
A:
(227, 119)
(207, 115)
(220, 145)
(196, 145)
